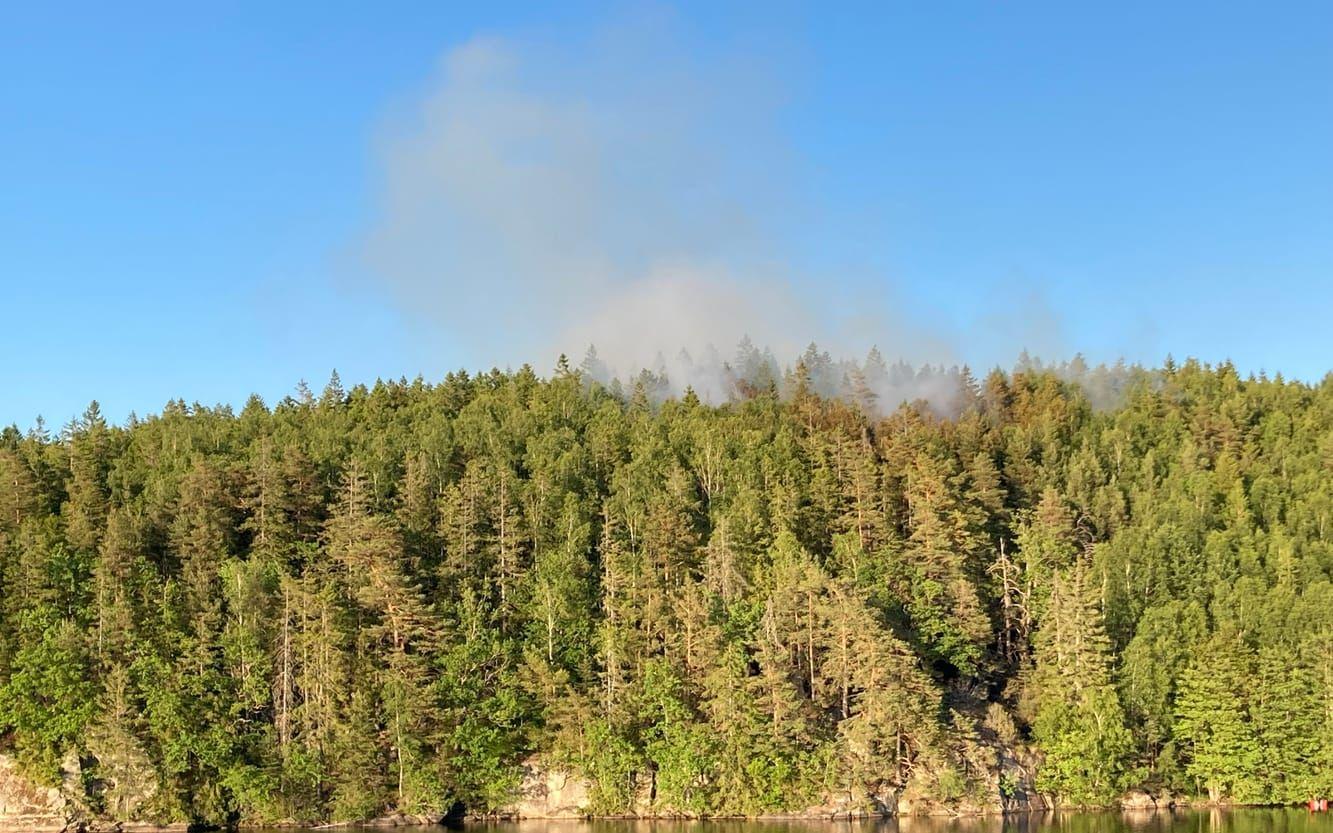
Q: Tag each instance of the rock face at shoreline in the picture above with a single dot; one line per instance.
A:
(1004, 784)
(555, 793)
(844, 805)
(121, 784)
(1138, 800)
(25, 805)
(548, 793)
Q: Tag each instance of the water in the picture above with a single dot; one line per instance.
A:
(1241, 820)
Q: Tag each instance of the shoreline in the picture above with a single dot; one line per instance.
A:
(490, 820)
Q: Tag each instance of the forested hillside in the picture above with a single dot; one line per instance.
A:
(384, 599)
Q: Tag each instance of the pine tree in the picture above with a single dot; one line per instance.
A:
(1213, 723)
(399, 631)
(86, 507)
(1079, 722)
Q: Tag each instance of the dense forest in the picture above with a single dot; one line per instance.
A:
(384, 599)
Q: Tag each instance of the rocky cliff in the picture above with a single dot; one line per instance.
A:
(547, 792)
(119, 784)
(1000, 780)
(27, 805)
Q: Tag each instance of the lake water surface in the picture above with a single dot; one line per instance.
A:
(1239, 820)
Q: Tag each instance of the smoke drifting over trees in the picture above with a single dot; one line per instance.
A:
(620, 191)
(874, 385)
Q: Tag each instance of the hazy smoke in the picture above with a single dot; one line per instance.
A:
(621, 192)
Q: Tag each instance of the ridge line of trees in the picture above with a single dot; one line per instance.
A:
(385, 599)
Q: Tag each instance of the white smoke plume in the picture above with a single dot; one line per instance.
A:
(620, 191)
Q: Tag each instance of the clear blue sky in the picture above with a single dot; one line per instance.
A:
(181, 184)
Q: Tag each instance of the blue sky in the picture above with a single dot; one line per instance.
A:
(204, 202)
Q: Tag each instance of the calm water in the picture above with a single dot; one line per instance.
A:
(1178, 821)
(1181, 821)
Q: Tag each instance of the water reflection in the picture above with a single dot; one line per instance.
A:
(1243, 820)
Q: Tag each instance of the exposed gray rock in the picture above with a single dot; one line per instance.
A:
(1138, 800)
(846, 806)
(548, 793)
(399, 820)
(25, 805)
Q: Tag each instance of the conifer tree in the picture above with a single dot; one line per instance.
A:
(1213, 724)
(1079, 722)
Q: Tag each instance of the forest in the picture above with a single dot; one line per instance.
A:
(384, 599)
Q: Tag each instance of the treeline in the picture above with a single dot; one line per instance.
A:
(383, 599)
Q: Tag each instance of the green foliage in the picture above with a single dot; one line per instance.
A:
(47, 699)
(387, 599)
(610, 760)
(1149, 675)
(1086, 745)
(1213, 723)
(1079, 725)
